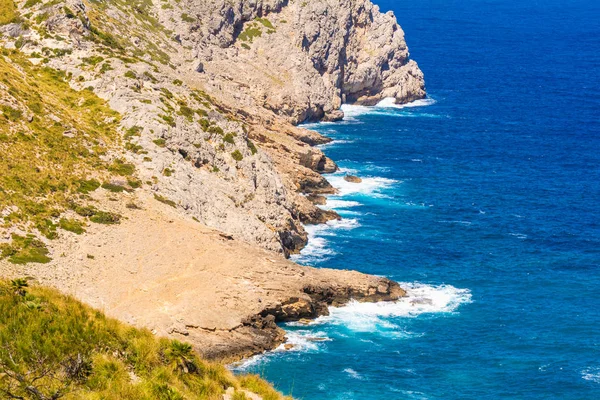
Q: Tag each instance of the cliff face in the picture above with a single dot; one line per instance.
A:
(302, 60)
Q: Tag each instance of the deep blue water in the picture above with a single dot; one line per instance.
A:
(485, 203)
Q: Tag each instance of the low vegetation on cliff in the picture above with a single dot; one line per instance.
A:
(55, 347)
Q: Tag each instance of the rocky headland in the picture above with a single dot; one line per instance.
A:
(208, 178)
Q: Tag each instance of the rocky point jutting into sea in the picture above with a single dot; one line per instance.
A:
(194, 182)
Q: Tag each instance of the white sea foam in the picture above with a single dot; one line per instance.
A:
(334, 143)
(370, 317)
(420, 299)
(384, 107)
(354, 374)
(339, 204)
(390, 102)
(369, 185)
(317, 248)
(521, 236)
(591, 374)
(304, 341)
(456, 222)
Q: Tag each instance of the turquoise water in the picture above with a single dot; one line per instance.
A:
(483, 200)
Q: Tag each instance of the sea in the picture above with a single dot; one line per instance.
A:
(483, 200)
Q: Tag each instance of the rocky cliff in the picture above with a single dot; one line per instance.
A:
(207, 91)
(303, 59)
(190, 103)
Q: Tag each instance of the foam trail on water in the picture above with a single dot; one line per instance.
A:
(591, 374)
(353, 374)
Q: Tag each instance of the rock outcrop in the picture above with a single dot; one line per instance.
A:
(303, 59)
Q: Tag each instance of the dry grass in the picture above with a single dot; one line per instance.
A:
(53, 344)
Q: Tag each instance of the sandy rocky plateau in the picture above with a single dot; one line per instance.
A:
(211, 93)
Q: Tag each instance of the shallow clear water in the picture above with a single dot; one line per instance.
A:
(483, 201)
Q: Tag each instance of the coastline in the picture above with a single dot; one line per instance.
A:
(310, 336)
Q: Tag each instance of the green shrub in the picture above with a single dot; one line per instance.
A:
(187, 112)
(252, 147)
(71, 225)
(92, 60)
(25, 249)
(165, 200)
(160, 142)
(204, 124)
(111, 187)
(228, 138)
(186, 18)
(215, 129)
(237, 156)
(87, 186)
(10, 113)
(104, 217)
(251, 32)
(122, 168)
(168, 119)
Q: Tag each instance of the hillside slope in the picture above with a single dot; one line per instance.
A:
(55, 347)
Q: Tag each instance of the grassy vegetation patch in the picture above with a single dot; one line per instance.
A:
(122, 168)
(266, 23)
(252, 147)
(61, 348)
(228, 138)
(62, 162)
(165, 200)
(104, 217)
(237, 156)
(251, 32)
(160, 142)
(88, 186)
(25, 249)
(71, 225)
(9, 12)
(111, 187)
